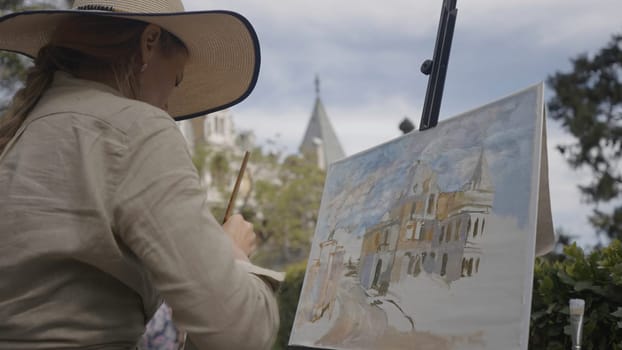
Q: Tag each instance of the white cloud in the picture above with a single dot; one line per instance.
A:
(566, 200)
(552, 22)
(320, 15)
(285, 126)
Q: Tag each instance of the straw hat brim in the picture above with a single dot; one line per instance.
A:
(222, 68)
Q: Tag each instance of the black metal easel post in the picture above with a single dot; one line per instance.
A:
(438, 65)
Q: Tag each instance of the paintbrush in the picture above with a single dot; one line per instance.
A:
(577, 307)
(236, 188)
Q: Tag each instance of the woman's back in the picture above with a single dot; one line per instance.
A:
(100, 203)
(66, 277)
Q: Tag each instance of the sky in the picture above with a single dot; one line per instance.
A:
(367, 55)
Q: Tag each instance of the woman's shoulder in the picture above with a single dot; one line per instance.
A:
(94, 102)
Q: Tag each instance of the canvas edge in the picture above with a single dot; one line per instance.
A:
(533, 215)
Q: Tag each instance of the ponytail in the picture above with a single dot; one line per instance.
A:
(38, 79)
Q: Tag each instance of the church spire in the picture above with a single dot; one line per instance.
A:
(320, 135)
(317, 86)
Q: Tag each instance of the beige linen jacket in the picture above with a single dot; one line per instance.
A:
(101, 213)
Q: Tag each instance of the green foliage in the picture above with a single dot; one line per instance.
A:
(596, 278)
(13, 71)
(288, 302)
(265, 160)
(282, 204)
(289, 203)
(12, 66)
(8, 6)
(200, 157)
(218, 163)
(588, 102)
(220, 170)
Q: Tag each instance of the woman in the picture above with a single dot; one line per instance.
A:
(101, 212)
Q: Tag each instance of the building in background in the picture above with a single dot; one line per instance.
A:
(320, 141)
(215, 140)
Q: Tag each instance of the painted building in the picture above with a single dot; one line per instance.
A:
(429, 231)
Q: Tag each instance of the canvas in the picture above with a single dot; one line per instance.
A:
(428, 241)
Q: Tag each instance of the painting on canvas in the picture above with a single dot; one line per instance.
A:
(427, 241)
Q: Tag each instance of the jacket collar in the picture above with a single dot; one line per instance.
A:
(66, 80)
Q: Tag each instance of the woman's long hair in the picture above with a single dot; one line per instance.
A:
(84, 44)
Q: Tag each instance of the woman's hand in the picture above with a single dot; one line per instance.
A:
(243, 236)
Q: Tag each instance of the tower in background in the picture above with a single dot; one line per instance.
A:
(320, 140)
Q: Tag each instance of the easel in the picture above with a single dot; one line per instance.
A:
(437, 67)
(437, 70)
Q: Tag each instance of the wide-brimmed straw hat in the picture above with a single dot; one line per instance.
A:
(224, 51)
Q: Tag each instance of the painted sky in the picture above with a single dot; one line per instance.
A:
(368, 54)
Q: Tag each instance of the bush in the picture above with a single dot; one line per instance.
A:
(596, 278)
(288, 302)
